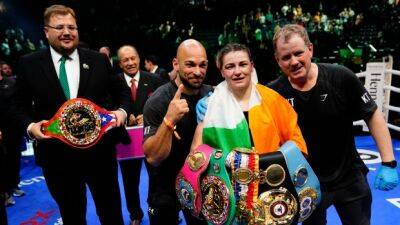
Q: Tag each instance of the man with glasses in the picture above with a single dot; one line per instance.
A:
(47, 79)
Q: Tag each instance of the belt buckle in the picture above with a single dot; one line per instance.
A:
(276, 206)
(196, 160)
(243, 175)
(274, 175)
(215, 200)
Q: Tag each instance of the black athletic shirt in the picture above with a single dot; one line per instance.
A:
(325, 116)
(162, 177)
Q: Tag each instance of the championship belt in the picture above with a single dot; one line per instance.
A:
(304, 179)
(244, 173)
(79, 123)
(187, 183)
(278, 200)
(219, 204)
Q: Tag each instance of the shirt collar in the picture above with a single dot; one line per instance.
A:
(154, 69)
(137, 76)
(57, 56)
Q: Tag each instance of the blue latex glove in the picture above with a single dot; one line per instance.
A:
(386, 179)
(201, 108)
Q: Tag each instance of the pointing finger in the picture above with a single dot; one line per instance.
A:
(179, 92)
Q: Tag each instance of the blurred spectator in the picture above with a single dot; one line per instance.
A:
(5, 47)
(42, 45)
(12, 139)
(299, 10)
(221, 40)
(6, 70)
(114, 63)
(285, 9)
(191, 30)
(29, 45)
(17, 47)
(359, 19)
(151, 65)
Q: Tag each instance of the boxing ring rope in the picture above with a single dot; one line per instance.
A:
(378, 80)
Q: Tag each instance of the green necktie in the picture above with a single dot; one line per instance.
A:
(63, 77)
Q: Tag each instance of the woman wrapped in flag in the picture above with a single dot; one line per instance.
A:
(244, 126)
(241, 113)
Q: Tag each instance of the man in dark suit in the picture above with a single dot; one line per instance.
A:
(142, 84)
(151, 65)
(47, 79)
(4, 115)
(12, 140)
(114, 62)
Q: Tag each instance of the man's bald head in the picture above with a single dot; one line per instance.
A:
(126, 48)
(191, 64)
(188, 46)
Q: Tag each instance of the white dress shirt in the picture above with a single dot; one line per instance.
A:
(72, 67)
(129, 78)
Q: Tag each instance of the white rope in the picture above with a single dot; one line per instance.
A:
(393, 108)
(391, 88)
(358, 123)
(361, 74)
(378, 79)
(391, 126)
(395, 72)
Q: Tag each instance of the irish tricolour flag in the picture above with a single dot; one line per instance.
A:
(225, 126)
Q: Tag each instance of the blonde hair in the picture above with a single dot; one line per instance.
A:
(288, 31)
(57, 10)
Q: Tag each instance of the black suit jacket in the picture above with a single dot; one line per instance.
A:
(148, 83)
(37, 83)
(163, 74)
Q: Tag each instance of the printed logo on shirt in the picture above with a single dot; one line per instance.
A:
(323, 97)
(369, 156)
(366, 97)
(394, 201)
(31, 181)
(291, 101)
(147, 130)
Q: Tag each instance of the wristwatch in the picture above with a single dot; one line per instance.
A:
(391, 164)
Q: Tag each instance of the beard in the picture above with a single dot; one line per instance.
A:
(65, 49)
(187, 84)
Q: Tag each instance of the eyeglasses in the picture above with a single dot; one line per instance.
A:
(62, 27)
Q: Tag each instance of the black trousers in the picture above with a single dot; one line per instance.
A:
(13, 145)
(130, 170)
(352, 203)
(67, 185)
(3, 212)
